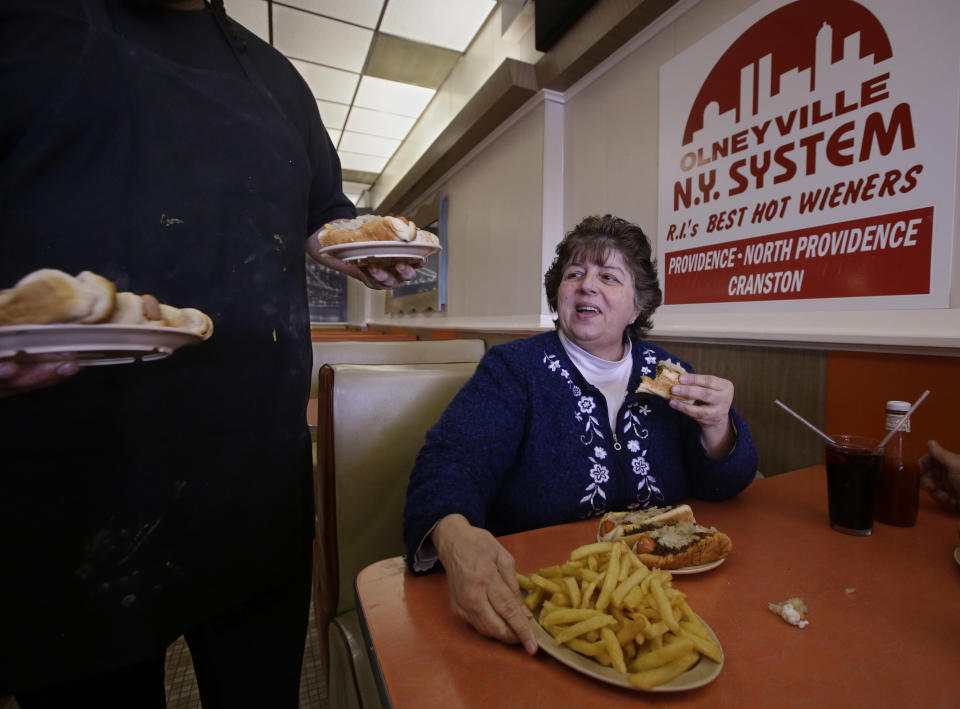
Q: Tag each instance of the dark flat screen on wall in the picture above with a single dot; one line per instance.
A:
(552, 19)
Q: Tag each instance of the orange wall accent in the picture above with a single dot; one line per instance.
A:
(859, 384)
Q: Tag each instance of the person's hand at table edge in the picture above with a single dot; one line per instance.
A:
(483, 582)
(940, 476)
(20, 378)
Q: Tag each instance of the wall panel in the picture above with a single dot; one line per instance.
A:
(761, 374)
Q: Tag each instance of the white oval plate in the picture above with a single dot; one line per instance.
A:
(414, 251)
(92, 344)
(698, 569)
(704, 672)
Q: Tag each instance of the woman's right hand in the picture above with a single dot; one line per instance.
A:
(483, 581)
(19, 378)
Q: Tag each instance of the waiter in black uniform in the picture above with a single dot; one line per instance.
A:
(160, 144)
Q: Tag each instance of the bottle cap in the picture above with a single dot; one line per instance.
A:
(895, 412)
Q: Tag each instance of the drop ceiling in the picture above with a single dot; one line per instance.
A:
(373, 65)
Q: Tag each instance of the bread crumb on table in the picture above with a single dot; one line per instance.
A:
(791, 611)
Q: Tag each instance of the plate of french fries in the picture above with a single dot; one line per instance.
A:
(605, 614)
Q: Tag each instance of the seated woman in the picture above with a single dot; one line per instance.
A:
(550, 430)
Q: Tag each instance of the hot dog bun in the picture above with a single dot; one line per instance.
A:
(665, 537)
(683, 544)
(368, 227)
(101, 295)
(187, 319)
(627, 526)
(49, 296)
(133, 309)
(668, 374)
(52, 296)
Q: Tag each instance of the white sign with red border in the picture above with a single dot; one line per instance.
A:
(808, 158)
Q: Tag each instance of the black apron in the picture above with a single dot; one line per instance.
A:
(137, 500)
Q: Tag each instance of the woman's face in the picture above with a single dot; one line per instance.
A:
(595, 304)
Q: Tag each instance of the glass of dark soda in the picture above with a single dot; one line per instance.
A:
(853, 471)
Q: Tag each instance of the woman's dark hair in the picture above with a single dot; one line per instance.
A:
(592, 239)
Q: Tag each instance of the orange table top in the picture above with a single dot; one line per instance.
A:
(894, 640)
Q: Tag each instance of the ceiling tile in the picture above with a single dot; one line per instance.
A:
(359, 12)
(368, 144)
(333, 114)
(364, 163)
(302, 35)
(334, 135)
(392, 96)
(326, 83)
(445, 23)
(252, 14)
(388, 125)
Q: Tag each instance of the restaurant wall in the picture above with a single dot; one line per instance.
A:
(860, 383)
(611, 145)
(494, 272)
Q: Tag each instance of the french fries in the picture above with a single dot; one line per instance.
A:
(606, 604)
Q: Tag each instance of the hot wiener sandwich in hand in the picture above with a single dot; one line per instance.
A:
(665, 537)
(668, 374)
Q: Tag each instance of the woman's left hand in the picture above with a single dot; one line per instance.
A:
(713, 397)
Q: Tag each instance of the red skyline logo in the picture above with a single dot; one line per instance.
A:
(794, 48)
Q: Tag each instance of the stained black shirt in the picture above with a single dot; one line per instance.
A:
(137, 500)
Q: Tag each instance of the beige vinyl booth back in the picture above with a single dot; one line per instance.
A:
(371, 423)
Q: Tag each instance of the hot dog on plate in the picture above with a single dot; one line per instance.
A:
(665, 537)
(370, 227)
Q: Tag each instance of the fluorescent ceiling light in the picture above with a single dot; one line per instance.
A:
(359, 12)
(326, 83)
(445, 23)
(361, 163)
(388, 125)
(252, 14)
(392, 96)
(368, 144)
(317, 39)
(333, 114)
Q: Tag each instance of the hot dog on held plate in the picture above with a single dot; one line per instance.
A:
(49, 296)
(370, 227)
(665, 537)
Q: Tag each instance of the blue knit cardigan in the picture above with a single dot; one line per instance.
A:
(526, 443)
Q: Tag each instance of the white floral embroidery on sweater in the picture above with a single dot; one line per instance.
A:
(586, 405)
(648, 490)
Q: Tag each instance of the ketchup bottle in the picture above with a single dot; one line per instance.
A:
(898, 487)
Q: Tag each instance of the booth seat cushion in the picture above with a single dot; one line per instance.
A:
(412, 352)
(381, 414)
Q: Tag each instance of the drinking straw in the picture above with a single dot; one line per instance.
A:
(903, 419)
(803, 420)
